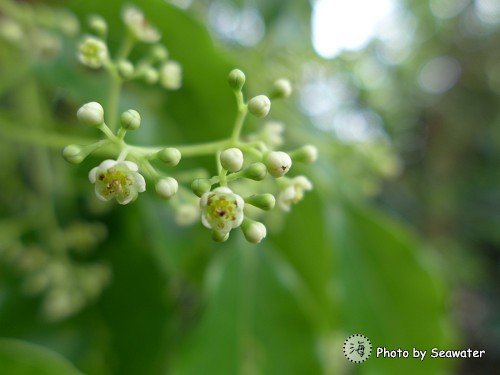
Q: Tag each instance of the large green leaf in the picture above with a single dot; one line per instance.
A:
(22, 358)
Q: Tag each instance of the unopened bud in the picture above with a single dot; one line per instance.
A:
(73, 154)
(200, 186)
(236, 79)
(253, 231)
(282, 88)
(259, 106)
(231, 159)
(125, 69)
(171, 75)
(91, 114)
(278, 163)
(305, 154)
(255, 171)
(170, 156)
(167, 187)
(151, 75)
(130, 120)
(263, 201)
(159, 53)
(98, 25)
(219, 236)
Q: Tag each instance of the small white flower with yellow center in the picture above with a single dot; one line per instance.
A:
(139, 26)
(92, 52)
(221, 210)
(294, 192)
(117, 179)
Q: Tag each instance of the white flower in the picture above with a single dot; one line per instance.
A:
(171, 75)
(92, 52)
(186, 214)
(167, 187)
(272, 133)
(221, 210)
(294, 192)
(117, 179)
(139, 26)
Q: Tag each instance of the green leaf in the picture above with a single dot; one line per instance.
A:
(22, 358)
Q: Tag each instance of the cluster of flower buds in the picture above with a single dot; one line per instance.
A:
(239, 159)
(37, 30)
(154, 68)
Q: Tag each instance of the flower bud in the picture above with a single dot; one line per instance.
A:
(305, 154)
(263, 201)
(232, 159)
(278, 163)
(125, 69)
(73, 154)
(151, 76)
(282, 88)
(159, 53)
(171, 75)
(167, 187)
(91, 114)
(219, 236)
(254, 231)
(200, 186)
(259, 106)
(255, 171)
(98, 25)
(170, 156)
(236, 79)
(130, 120)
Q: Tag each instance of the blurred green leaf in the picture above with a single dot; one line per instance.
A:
(22, 358)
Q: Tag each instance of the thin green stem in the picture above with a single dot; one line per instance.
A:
(240, 117)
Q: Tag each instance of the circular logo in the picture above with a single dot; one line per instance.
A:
(357, 348)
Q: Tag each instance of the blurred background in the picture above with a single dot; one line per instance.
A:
(399, 240)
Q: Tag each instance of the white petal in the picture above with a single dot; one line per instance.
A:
(92, 174)
(239, 201)
(238, 221)
(205, 222)
(122, 199)
(140, 182)
(106, 164)
(204, 199)
(100, 196)
(131, 165)
(223, 190)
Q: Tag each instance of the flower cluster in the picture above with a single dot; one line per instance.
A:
(154, 68)
(239, 158)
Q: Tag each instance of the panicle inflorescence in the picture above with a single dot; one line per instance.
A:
(219, 201)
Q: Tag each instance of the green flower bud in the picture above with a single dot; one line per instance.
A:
(167, 187)
(73, 154)
(92, 52)
(232, 159)
(91, 114)
(125, 69)
(306, 154)
(282, 88)
(151, 75)
(170, 156)
(219, 236)
(263, 201)
(259, 106)
(130, 120)
(253, 231)
(278, 163)
(159, 53)
(255, 171)
(236, 79)
(200, 186)
(98, 25)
